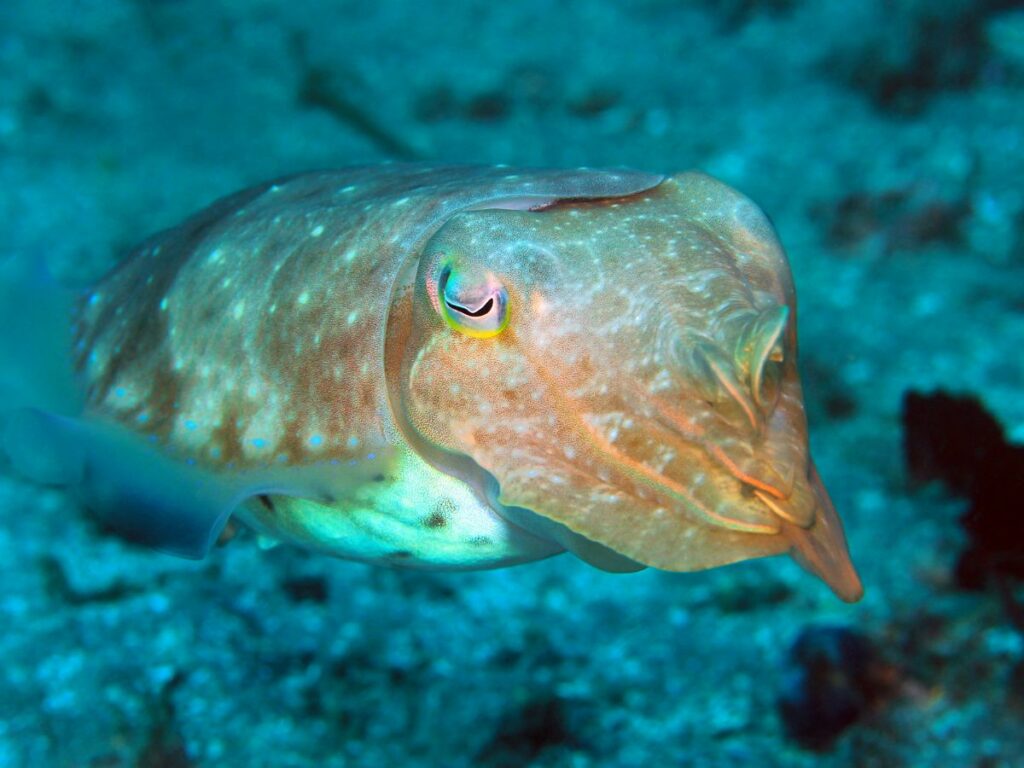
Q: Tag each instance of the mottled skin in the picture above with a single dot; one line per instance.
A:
(641, 407)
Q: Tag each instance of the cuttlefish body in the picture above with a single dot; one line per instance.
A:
(452, 367)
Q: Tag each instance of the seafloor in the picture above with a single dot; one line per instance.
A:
(884, 139)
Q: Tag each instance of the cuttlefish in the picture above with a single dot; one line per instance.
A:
(454, 367)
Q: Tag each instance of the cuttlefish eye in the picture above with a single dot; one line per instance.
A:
(475, 307)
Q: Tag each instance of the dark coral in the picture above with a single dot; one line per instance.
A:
(833, 678)
(956, 441)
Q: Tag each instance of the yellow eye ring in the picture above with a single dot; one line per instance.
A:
(480, 312)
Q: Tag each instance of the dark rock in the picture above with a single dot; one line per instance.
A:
(61, 588)
(759, 593)
(306, 589)
(488, 107)
(734, 14)
(165, 747)
(541, 724)
(595, 102)
(904, 219)
(923, 49)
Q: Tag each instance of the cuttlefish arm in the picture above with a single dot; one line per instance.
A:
(821, 547)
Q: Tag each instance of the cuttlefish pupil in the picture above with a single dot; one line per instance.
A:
(643, 409)
(471, 312)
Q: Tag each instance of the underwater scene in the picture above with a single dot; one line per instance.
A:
(543, 383)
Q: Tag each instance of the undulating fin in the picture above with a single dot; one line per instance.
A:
(135, 489)
(138, 492)
(590, 552)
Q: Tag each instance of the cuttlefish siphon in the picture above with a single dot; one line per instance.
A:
(444, 367)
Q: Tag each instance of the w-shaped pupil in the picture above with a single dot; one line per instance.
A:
(469, 312)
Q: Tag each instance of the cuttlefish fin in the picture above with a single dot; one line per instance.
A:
(587, 550)
(129, 483)
(144, 496)
(821, 548)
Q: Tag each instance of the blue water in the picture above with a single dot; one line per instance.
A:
(884, 140)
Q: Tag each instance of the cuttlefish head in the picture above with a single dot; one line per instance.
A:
(625, 368)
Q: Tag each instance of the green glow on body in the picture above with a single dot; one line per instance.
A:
(412, 515)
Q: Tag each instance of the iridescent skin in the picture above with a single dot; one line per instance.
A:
(289, 354)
